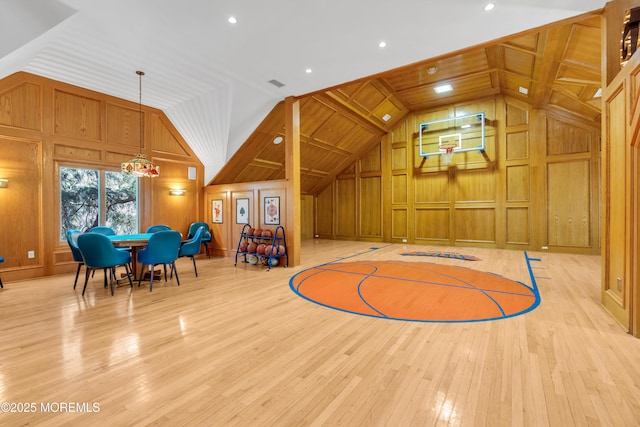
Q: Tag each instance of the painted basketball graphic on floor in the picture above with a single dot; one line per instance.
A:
(414, 291)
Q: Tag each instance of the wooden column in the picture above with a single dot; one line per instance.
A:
(292, 176)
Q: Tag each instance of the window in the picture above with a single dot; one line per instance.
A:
(91, 197)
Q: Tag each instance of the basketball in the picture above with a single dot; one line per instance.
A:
(253, 260)
(281, 250)
(252, 247)
(243, 246)
(273, 262)
(251, 231)
(267, 233)
(260, 248)
(268, 250)
(257, 232)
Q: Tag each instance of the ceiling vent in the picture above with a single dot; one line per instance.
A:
(276, 83)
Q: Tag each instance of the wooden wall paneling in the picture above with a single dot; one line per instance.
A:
(432, 225)
(475, 225)
(123, 126)
(517, 145)
(161, 139)
(372, 160)
(21, 205)
(518, 229)
(346, 209)
(538, 180)
(431, 187)
(222, 243)
(516, 115)
(21, 106)
(171, 209)
(307, 226)
(399, 157)
(78, 116)
(475, 185)
(399, 186)
(325, 213)
(569, 203)
(518, 184)
(564, 138)
(615, 286)
(370, 207)
(399, 224)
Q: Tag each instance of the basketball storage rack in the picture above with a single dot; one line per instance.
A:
(248, 235)
(445, 137)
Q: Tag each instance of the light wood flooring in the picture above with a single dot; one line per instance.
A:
(236, 347)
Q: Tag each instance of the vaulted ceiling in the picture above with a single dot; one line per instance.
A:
(211, 77)
(556, 68)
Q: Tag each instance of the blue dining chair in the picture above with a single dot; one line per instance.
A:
(191, 247)
(162, 249)
(99, 253)
(72, 240)
(1, 260)
(107, 231)
(206, 237)
(158, 227)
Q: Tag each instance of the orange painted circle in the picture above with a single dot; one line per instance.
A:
(414, 291)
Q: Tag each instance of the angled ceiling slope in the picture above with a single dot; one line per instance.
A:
(556, 68)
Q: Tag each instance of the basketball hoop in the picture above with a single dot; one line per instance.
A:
(447, 154)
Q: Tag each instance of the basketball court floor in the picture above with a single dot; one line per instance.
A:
(358, 334)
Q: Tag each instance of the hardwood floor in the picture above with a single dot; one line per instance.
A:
(236, 347)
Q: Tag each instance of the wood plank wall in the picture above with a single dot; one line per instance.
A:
(45, 124)
(227, 234)
(536, 185)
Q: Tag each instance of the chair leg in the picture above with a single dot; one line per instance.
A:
(165, 272)
(206, 249)
(141, 274)
(105, 278)
(77, 273)
(86, 279)
(173, 267)
(112, 276)
(151, 278)
(127, 269)
(194, 265)
(1, 285)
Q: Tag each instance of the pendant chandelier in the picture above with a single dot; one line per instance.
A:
(140, 166)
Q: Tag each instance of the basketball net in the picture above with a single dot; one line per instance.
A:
(447, 154)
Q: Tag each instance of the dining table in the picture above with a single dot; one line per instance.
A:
(134, 241)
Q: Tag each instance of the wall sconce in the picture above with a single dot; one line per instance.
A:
(177, 192)
(4, 183)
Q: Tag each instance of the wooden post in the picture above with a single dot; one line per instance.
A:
(292, 176)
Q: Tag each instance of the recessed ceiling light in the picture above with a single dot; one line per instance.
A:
(386, 117)
(443, 88)
(489, 6)
(523, 90)
(382, 44)
(598, 93)
(277, 140)
(308, 71)
(432, 70)
(232, 20)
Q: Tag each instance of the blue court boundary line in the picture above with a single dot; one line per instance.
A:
(533, 288)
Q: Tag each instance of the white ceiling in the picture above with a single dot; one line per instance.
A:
(211, 77)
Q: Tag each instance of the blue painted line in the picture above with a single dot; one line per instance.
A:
(534, 285)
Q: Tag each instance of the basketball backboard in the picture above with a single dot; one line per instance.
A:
(462, 133)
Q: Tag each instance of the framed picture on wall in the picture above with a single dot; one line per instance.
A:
(242, 211)
(216, 211)
(272, 210)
